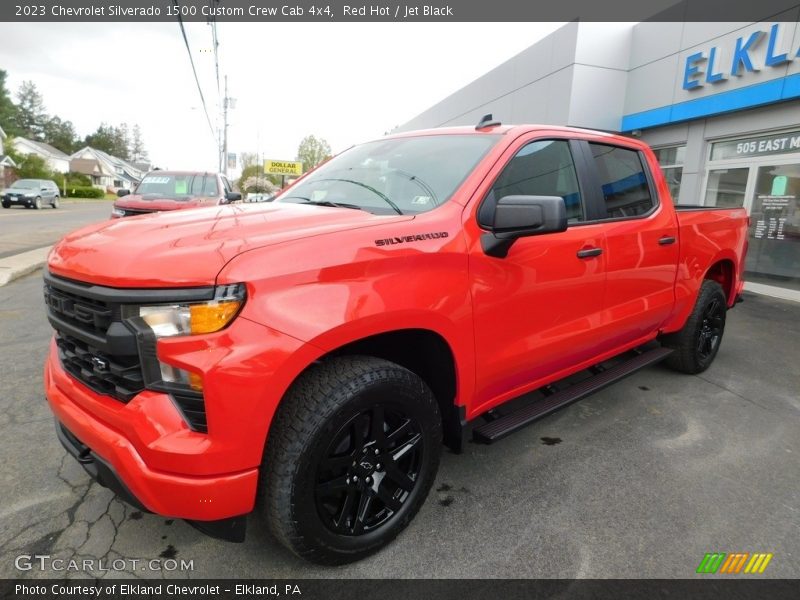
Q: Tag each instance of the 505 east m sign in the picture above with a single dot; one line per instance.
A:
(750, 53)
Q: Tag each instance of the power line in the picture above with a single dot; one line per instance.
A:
(194, 70)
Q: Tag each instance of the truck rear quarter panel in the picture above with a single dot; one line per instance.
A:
(707, 237)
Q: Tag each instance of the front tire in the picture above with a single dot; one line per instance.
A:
(54, 203)
(697, 344)
(37, 204)
(352, 453)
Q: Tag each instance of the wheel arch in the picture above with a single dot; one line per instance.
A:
(425, 353)
(723, 271)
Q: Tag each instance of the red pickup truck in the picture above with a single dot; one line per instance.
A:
(309, 357)
(160, 191)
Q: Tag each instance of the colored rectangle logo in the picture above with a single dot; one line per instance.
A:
(734, 563)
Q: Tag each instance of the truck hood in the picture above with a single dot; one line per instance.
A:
(189, 248)
(154, 204)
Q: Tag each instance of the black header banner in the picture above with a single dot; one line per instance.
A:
(708, 588)
(396, 10)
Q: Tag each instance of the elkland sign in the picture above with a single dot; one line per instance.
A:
(719, 63)
(765, 48)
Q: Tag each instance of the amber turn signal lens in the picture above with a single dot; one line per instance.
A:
(195, 382)
(207, 318)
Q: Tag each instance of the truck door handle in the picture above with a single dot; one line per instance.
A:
(666, 240)
(589, 252)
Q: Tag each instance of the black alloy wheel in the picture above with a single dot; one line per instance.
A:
(697, 343)
(370, 469)
(710, 329)
(351, 455)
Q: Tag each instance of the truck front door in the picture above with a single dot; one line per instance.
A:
(536, 311)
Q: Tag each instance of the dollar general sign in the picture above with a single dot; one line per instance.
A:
(283, 167)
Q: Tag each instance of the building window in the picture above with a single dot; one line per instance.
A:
(671, 161)
(726, 187)
(623, 180)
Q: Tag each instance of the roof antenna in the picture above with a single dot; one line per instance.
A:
(486, 121)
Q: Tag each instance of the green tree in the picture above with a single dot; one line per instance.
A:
(75, 179)
(252, 167)
(31, 115)
(138, 152)
(122, 142)
(61, 134)
(110, 139)
(8, 110)
(312, 151)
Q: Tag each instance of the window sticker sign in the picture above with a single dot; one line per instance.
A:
(772, 224)
(784, 143)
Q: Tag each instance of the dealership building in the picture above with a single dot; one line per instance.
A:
(719, 102)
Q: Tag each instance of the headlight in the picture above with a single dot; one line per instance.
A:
(192, 318)
(183, 318)
(117, 212)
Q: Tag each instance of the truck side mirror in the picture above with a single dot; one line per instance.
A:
(521, 216)
(122, 192)
(232, 197)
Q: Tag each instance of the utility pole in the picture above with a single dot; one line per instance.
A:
(226, 104)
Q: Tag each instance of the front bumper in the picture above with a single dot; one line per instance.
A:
(18, 200)
(232, 529)
(112, 455)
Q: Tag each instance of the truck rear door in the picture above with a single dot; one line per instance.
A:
(641, 233)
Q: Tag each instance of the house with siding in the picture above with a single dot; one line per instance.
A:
(7, 164)
(105, 170)
(55, 159)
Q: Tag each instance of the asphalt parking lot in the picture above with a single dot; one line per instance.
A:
(23, 229)
(640, 480)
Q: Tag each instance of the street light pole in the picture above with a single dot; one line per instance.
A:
(225, 130)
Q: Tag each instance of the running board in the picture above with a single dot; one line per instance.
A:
(508, 424)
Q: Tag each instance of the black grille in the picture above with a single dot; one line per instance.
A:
(109, 356)
(94, 345)
(91, 315)
(193, 408)
(130, 212)
(119, 377)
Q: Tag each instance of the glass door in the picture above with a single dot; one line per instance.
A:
(774, 254)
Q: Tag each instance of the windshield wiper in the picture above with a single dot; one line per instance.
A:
(381, 195)
(325, 203)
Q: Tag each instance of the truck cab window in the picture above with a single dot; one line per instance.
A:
(626, 191)
(543, 168)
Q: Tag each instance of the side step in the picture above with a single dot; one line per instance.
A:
(508, 424)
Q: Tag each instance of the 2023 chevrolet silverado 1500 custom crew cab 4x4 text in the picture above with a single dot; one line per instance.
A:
(308, 358)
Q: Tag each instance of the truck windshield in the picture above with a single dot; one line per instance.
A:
(395, 176)
(178, 186)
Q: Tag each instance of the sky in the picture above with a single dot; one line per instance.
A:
(345, 82)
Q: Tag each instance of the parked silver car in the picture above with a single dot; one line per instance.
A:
(31, 193)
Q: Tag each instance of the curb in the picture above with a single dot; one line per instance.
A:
(18, 265)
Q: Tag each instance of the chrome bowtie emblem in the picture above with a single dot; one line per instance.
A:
(99, 364)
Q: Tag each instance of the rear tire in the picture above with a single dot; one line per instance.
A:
(352, 453)
(6, 204)
(697, 344)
